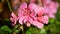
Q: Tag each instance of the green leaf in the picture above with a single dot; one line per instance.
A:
(28, 32)
(6, 28)
(58, 14)
(16, 26)
(1, 32)
(58, 28)
(16, 31)
(42, 31)
(51, 20)
(33, 30)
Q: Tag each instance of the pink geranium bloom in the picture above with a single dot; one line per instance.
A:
(41, 19)
(33, 14)
(13, 18)
(24, 13)
(51, 8)
(28, 15)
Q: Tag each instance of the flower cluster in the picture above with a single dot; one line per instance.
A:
(34, 14)
(51, 8)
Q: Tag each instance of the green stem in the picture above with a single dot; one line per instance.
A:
(9, 6)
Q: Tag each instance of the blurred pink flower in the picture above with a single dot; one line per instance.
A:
(51, 8)
(13, 18)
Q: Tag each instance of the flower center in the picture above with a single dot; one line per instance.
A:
(27, 11)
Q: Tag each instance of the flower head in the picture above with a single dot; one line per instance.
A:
(31, 14)
(28, 15)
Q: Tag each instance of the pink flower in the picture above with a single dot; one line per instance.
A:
(33, 14)
(24, 13)
(13, 18)
(41, 19)
(28, 15)
(51, 8)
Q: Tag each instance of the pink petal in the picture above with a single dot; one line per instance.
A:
(41, 11)
(26, 19)
(51, 15)
(13, 15)
(23, 6)
(13, 18)
(21, 19)
(43, 19)
(30, 20)
(47, 1)
(46, 18)
(20, 12)
(38, 24)
(32, 6)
